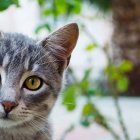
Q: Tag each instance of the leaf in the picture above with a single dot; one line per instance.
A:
(122, 84)
(74, 6)
(86, 74)
(83, 85)
(77, 7)
(125, 66)
(91, 91)
(90, 47)
(69, 97)
(47, 12)
(87, 109)
(112, 72)
(114, 75)
(16, 2)
(41, 2)
(90, 113)
(85, 122)
(4, 4)
(60, 7)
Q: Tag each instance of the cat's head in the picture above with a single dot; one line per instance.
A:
(31, 75)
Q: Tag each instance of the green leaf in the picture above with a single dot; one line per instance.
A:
(90, 47)
(87, 109)
(91, 91)
(86, 74)
(126, 66)
(114, 75)
(4, 4)
(74, 6)
(47, 12)
(83, 85)
(69, 97)
(112, 72)
(85, 122)
(77, 7)
(122, 84)
(16, 2)
(41, 2)
(71, 107)
(60, 7)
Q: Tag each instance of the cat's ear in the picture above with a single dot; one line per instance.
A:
(62, 42)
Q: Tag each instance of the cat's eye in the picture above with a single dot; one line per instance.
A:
(33, 83)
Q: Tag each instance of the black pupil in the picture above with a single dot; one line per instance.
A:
(32, 81)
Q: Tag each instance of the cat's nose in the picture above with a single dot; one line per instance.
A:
(8, 106)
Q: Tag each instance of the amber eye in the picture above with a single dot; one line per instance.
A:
(33, 83)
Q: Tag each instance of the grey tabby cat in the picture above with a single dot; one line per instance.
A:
(31, 74)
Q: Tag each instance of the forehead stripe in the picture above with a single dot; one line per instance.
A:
(35, 67)
(6, 60)
(26, 65)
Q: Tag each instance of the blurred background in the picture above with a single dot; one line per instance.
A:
(101, 96)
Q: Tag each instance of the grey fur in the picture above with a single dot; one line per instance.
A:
(21, 57)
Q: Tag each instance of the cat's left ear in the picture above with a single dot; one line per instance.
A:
(62, 42)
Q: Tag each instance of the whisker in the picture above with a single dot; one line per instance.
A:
(40, 117)
(35, 124)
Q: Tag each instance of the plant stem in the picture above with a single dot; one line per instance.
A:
(67, 131)
(119, 113)
(113, 134)
(116, 101)
(106, 125)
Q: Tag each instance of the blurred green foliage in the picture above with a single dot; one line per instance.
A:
(116, 82)
(4, 4)
(90, 47)
(103, 5)
(114, 79)
(42, 27)
(117, 75)
(54, 9)
(91, 114)
(58, 7)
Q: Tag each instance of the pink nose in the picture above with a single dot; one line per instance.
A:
(8, 106)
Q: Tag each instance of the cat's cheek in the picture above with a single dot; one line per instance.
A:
(34, 98)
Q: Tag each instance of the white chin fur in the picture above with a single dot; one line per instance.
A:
(8, 123)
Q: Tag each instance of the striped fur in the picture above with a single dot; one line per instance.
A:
(21, 57)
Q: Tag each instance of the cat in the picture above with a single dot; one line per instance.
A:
(31, 76)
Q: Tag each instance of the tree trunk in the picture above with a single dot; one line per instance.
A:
(126, 38)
